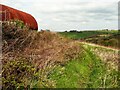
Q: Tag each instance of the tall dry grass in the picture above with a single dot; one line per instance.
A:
(44, 49)
(109, 57)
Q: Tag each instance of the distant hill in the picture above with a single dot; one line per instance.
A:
(101, 37)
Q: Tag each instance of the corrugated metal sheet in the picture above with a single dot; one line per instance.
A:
(9, 13)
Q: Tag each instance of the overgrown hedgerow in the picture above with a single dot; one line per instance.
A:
(25, 49)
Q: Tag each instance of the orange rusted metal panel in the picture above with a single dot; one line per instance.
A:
(9, 13)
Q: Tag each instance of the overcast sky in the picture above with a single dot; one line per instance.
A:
(61, 15)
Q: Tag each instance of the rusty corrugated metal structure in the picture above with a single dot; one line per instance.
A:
(8, 13)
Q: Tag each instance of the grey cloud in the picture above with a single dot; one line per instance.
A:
(74, 12)
(74, 15)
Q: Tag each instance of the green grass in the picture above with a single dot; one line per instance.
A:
(85, 34)
(100, 37)
(87, 71)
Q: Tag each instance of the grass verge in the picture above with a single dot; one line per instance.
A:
(87, 71)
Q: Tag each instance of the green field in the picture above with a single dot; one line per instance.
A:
(86, 34)
(101, 37)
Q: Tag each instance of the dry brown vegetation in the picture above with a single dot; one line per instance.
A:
(109, 57)
(42, 49)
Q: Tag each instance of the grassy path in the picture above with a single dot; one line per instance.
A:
(86, 71)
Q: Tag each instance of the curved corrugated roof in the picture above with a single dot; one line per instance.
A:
(9, 13)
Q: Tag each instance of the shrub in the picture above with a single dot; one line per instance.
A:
(24, 50)
(15, 72)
